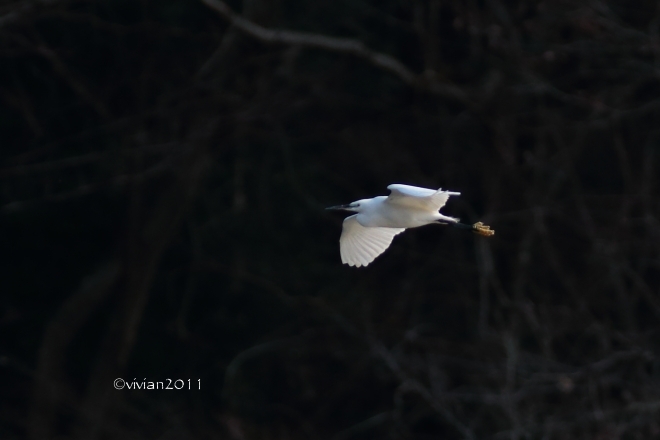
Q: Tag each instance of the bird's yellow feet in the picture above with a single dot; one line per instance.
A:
(481, 229)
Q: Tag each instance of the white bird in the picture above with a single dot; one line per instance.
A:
(370, 232)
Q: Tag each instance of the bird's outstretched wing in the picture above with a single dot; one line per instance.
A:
(419, 198)
(359, 246)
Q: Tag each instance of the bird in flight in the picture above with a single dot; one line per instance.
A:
(370, 232)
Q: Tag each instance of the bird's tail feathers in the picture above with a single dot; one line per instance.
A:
(451, 193)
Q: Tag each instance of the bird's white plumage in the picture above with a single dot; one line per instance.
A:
(418, 198)
(359, 245)
(370, 232)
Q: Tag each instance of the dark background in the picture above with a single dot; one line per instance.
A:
(165, 167)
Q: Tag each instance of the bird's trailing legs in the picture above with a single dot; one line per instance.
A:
(477, 228)
(481, 229)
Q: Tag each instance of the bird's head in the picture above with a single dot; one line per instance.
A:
(352, 207)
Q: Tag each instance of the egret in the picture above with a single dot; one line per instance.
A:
(370, 232)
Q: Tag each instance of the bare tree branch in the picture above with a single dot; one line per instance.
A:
(58, 335)
(86, 189)
(74, 81)
(70, 162)
(12, 16)
(340, 45)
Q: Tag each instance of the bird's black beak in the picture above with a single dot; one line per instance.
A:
(338, 208)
